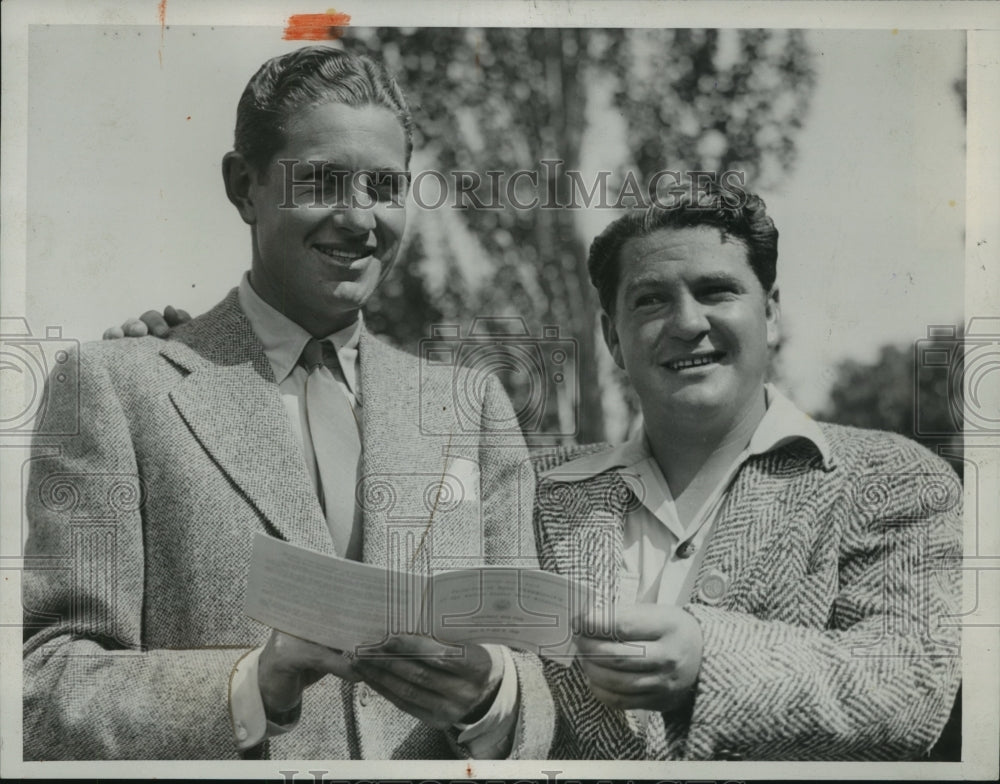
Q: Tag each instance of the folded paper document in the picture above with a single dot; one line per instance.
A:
(348, 605)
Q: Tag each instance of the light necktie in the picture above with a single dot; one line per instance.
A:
(333, 429)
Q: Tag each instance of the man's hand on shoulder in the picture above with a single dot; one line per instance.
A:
(649, 658)
(152, 322)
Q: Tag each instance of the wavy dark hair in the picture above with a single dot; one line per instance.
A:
(738, 214)
(310, 76)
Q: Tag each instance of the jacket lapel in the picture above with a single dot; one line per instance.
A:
(230, 402)
(583, 523)
(768, 513)
(390, 396)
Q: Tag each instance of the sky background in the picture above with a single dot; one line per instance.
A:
(126, 209)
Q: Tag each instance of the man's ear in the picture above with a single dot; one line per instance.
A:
(611, 339)
(239, 177)
(772, 314)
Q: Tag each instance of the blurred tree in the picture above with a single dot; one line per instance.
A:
(911, 390)
(511, 99)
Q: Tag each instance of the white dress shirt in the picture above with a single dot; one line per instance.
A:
(283, 341)
(661, 556)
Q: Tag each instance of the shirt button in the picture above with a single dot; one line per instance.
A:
(686, 550)
(364, 695)
(241, 732)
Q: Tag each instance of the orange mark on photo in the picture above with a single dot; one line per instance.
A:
(316, 27)
(161, 11)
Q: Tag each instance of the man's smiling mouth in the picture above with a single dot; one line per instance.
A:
(344, 255)
(699, 360)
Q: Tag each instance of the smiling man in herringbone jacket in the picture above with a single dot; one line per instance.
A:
(774, 588)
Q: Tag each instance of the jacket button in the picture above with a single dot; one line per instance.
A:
(713, 587)
(364, 695)
(729, 755)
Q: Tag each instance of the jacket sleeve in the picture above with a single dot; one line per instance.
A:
(508, 486)
(92, 690)
(879, 681)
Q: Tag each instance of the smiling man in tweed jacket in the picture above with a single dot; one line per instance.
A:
(773, 588)
(136, 641)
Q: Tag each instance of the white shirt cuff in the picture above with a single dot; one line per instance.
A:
(490, 737)
(246, 706)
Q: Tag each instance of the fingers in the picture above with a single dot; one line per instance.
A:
(619, 682)
(418, 672)
(288, 665)
(134, 328)
(151, 322)
(429, 680)
(426, 705)
(625, 656)
(155, 323)
(175, 316)
(289, 654)
(460, 660)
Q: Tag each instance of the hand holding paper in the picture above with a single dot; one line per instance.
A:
(649, 657)
(288, 665)
(419, 676)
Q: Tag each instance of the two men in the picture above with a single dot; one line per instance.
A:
(262, 416)
(772, 587)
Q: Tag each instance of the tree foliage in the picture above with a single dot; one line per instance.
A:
(915, 391)
(508, 99)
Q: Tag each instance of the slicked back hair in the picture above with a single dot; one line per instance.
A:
(307, 77)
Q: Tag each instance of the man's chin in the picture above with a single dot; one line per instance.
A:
(702, 399)
(345, 295)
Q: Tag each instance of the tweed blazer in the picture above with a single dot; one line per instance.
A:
(184, 453)
(827, 597)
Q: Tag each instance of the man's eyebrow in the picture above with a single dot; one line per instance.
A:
(331, 167)
(720, 278)
(644, 281)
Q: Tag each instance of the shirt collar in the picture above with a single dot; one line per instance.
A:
(782, 423)
(283, 339)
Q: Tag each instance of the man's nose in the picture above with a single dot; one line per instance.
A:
(690, 319)
(356, 213)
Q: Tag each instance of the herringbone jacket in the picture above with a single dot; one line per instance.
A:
(141, 526)
(827, 598)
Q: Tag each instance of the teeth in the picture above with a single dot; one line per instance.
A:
(341, 255)
(681, 364)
